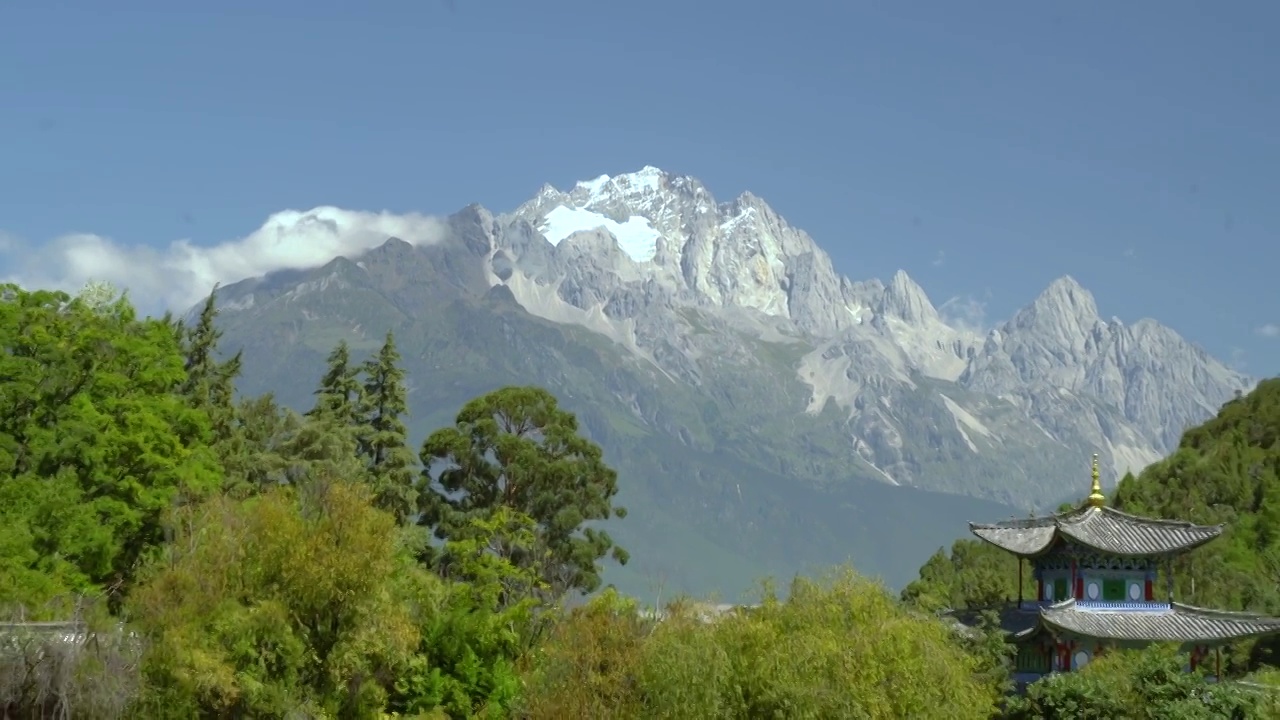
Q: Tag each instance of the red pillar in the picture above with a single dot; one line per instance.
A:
(1150, 591)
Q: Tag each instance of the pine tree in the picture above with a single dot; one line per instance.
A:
(384, 445)
(210, 384)
(340, 395)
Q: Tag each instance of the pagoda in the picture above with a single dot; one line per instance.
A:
(1095, 570)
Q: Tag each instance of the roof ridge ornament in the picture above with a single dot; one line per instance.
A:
(1096, 498)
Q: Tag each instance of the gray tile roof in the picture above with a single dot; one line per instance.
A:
(1101, 528)
(1172, 622)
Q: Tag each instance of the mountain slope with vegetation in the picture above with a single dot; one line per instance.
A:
(173, 552)
(770, 414)
(1226, 470)
(220, 558)
(720, 496)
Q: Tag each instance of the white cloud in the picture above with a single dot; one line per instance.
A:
(965, 312)
(179, 275)
(940, 258)
(1269, 330)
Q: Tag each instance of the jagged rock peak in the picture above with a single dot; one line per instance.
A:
(647, 178)
(1065, 311)
(645, 183)
(905, 299)
(1067, 293)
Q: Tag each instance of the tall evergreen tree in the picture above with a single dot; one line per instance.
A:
(384, 444)
(210, 383)
(340, 395)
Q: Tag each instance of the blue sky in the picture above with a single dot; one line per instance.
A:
(985, 147)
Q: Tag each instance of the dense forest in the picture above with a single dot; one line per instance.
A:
(169, 549)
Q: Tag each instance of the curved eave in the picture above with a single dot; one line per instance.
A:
(1023, 542)
(1127, 551)
(1104, 530)
(1118, 533)
(1177, 624)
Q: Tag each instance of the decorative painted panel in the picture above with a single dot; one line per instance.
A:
(1092, 588)
(1136, 590)
(1113, 589)
(1061, 591)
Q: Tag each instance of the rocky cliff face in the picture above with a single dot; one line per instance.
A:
(1126, 391)
(1148, 383)
(718, 297)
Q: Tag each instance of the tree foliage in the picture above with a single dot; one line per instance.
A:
(384, 444)
(841, 647)
(1138, 685)
(256, 562)
(340, 394)
(515, 448)
(283, 602)
(95, 445)
(1227, 471)
(209, 384)
(975, 574)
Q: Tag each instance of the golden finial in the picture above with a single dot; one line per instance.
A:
(1096, 498)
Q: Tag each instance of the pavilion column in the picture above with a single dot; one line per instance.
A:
(1019, 581)
(1168, 576)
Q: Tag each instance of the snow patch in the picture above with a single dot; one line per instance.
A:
(645, 181)
(637, 237)
(734, 222)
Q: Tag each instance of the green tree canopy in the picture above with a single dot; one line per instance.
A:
(95, 446)
(1137, 685)
(516, 448)
(283, 603)
(836, 648)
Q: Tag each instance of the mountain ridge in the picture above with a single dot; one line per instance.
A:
(1062, 319)
(742, 259)
(719, 330)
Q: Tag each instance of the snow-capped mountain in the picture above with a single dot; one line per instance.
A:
(708, 294)
(659, 242)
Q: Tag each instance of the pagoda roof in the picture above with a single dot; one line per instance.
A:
(1133, 622)
(1102, 528)
(1161, 622)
